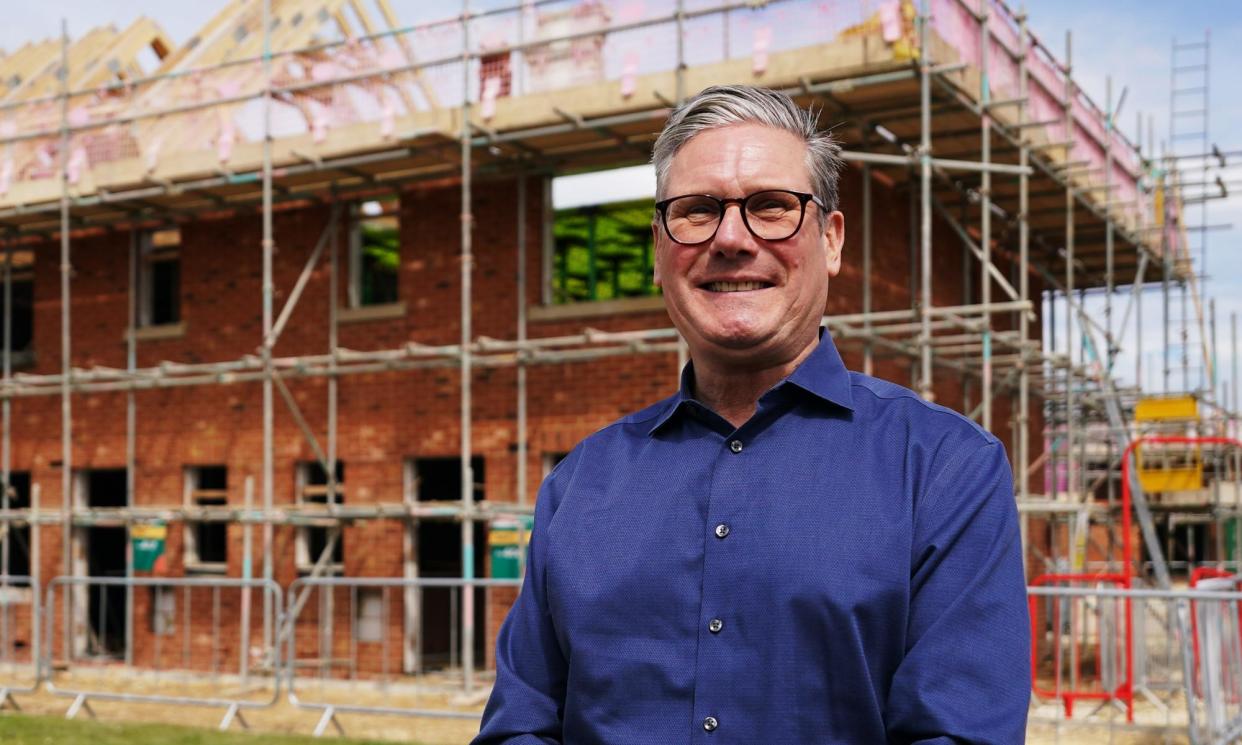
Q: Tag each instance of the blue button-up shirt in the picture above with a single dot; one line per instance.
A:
(845, 567)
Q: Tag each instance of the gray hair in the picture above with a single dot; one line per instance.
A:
(723, 105)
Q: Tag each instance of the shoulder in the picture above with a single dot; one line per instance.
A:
(935, 441)
(631, 426)
(615, 437)
(880, 399)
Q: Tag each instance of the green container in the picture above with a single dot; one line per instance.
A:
(148, 540)
(506, 539)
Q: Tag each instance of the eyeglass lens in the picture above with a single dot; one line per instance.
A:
(770, 215)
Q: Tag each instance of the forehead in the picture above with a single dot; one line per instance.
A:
(739, 158)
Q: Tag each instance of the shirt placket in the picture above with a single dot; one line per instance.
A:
(713, 705)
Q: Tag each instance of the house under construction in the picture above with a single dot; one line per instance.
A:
(296, 298)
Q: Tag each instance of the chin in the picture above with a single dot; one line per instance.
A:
(738, 341)
(741, 332)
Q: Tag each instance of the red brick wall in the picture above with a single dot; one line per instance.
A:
(385, 418)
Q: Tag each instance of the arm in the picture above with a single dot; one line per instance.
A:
(966, 675)
(527, 702)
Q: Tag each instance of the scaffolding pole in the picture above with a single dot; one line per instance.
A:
(1109, 287)
(985, 215)
(925, 207)
(327, 596)
(66, 362)
(467, 266)
(1024, 272)
(6, 417)
(521, 424)
(1071, 462)
(268, 247)
(868, 361)
(131, 432)
(334, 294)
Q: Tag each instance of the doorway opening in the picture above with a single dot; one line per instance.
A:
(440, 555)
(106, 605)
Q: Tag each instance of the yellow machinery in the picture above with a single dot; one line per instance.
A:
(1168, 467)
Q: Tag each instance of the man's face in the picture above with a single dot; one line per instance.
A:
(773, 316)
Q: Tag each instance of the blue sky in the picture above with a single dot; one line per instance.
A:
(1131, 42)
(1128, 40)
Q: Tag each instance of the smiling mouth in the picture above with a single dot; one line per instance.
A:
(735, 286)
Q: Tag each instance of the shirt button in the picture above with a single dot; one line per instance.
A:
(710, 724)
(715, 625)
(722, 530)
(736, 446)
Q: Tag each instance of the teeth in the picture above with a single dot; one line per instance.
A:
(734, 286)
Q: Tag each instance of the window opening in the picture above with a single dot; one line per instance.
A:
(159, 277)
(16, 543)
(21, 300)
(369, 614)
(602, 246)
(439, 479)
(375, 252)
(603, 252)
(312, 539)
(207, 540)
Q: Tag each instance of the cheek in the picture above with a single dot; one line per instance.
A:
(795, 262)
(677, 265)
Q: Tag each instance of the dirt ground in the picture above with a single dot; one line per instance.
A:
(281, 717)
(1097, 724)
(443, 693)
(1098, 734)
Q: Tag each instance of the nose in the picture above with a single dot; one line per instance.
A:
(732, 237)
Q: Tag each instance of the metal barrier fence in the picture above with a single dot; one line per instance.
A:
(1171, 692)
(1207, 578)
(1218, 659)
(19, 638)
(353, 628)
(372, 646)
(199, 638)
(1090, 647)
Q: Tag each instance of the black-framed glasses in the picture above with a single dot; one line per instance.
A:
(770, 215)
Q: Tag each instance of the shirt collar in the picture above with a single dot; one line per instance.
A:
(822, 374)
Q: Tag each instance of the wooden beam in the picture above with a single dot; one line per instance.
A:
(393, 24)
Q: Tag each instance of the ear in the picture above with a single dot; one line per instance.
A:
(834, 242)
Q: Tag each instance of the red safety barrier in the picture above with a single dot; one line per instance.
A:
(1093, 677)
(1201, 573)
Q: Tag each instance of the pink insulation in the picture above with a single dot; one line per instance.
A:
(954, 22)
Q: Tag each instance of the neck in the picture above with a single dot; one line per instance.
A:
(733, 392)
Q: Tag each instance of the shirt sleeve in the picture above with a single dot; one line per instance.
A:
(528, 700)
(965, 677)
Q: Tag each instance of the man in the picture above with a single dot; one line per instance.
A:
(783, 552)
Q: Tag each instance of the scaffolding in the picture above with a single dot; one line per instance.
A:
(954, 102)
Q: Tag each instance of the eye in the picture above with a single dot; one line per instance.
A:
(694, 209)
(767, 204)
(773, 206)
